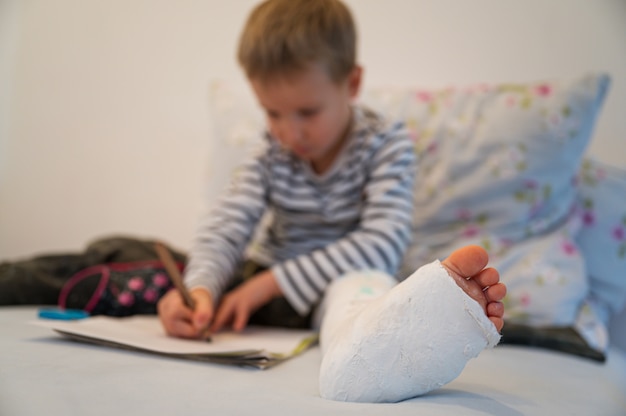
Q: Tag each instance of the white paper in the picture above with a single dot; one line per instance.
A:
(145, 332)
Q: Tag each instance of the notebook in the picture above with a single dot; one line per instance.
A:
(255, 346)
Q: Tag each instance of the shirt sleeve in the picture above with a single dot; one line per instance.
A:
(379, 241)
(224, 232)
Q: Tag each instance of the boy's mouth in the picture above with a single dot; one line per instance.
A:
(301, 150)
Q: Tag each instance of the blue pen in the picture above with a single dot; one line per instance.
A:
(62, 314)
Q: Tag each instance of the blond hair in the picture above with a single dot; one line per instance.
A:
(286, 36)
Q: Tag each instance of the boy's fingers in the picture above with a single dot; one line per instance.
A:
(241, 319)
(171, 307)
(183, 329)
(203, 312)
(223, 315)
(177, 319)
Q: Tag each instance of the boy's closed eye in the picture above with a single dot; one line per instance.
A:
(308, 112)
(303, 113)
(272, 114)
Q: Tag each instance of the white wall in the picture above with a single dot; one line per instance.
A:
(104, 123)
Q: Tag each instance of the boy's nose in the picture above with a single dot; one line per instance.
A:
(291, 130)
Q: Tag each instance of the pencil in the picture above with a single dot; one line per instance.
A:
(177, 279)
(172, 270)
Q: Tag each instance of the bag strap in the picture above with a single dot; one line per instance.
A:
(101, 269)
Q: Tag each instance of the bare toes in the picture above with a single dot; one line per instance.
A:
(487, 277)
(495, 292)
(466, 264)
(495, 309)
(467, 261)
(467, 267)
(498, 322)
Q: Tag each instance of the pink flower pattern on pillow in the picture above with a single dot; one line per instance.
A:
(603, 237)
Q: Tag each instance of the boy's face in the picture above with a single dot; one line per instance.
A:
(308, 113)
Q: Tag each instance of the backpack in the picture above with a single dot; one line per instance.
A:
(117, 289)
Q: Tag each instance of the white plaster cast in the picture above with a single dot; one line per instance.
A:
(386, 344)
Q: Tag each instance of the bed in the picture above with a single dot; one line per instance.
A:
(43, 373)
(552, 218)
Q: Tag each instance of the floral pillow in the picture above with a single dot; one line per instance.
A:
(497, 167)
(602, 207)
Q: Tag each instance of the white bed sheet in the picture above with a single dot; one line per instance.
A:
(42, 373)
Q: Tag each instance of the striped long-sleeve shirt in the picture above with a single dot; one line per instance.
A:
(355, 216)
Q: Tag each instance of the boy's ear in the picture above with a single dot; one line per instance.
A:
(354, 81)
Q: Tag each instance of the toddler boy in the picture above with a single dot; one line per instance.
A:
(337, 181)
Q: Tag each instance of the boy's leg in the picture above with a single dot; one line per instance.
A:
(345, 298)
(416, 337)
(278, 312)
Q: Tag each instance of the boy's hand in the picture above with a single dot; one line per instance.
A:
(237, 305)
(180, 321)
